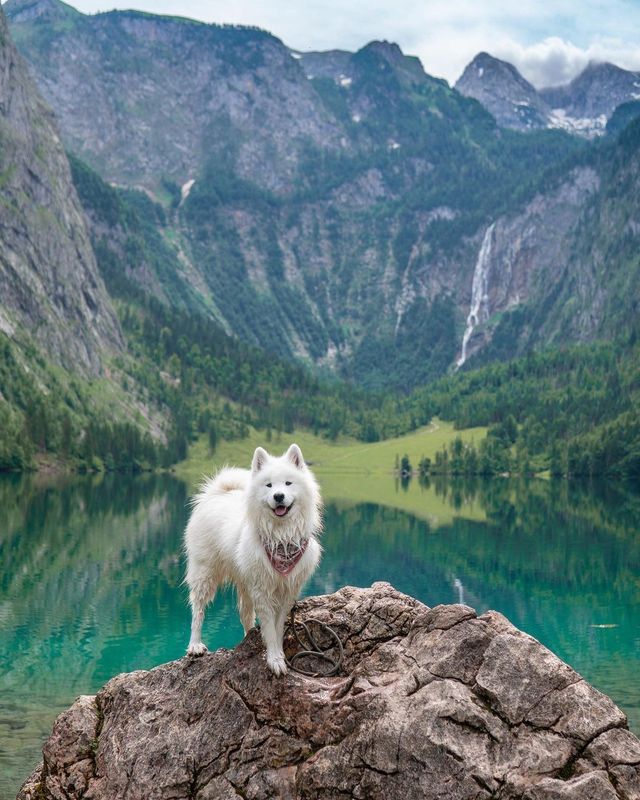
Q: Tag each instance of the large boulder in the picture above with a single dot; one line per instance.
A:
(431, 703)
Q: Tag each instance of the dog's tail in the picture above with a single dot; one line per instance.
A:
(230, 478)
(227, 479)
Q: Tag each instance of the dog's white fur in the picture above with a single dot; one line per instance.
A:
(232, 522)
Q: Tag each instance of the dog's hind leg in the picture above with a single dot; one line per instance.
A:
(201, 593)
(246, 611)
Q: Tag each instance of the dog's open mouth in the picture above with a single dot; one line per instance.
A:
(281, 511)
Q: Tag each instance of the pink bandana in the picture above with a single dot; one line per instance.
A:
(285, 556)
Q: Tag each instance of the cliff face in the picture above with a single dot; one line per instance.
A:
(145, 97)
(565, 268)
(523, 261)
(430, 703)
(52, 292)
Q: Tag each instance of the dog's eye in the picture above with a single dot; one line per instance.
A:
(268, 486)
(287, 483)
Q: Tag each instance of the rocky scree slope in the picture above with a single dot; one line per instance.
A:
(52, 292)
(433, 703)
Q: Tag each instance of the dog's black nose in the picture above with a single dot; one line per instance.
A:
(278, 497)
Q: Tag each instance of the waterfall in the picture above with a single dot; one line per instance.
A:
(479, 310)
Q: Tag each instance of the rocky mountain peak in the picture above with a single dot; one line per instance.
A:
(30, 10)
(591, 97)
(389, 55)
(498, 85)
(390, 51)
(484, 65)
(602, 69)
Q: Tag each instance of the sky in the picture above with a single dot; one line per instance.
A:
(548, 42)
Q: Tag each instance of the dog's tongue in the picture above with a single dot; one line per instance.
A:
(281, 510)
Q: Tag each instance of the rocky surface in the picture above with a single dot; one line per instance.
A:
(51, 288)
(431, 703)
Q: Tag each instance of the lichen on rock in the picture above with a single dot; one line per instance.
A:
(432, 703)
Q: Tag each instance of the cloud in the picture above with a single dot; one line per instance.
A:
(554, 61)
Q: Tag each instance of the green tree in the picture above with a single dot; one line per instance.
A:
(213, 436)
(424, 466)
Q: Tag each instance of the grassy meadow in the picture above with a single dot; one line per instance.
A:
(349, 471)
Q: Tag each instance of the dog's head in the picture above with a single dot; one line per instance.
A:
(283, 486)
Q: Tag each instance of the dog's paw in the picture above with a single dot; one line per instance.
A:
(196, 649)
(277, 664)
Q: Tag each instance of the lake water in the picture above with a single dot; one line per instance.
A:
(91, 572)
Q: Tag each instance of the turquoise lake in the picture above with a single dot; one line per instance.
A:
(91, 572)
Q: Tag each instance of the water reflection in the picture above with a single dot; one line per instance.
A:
(91, 573)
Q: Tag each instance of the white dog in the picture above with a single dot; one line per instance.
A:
(256, 529)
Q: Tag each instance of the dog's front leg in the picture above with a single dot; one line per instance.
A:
(281, 618)
(272, 638)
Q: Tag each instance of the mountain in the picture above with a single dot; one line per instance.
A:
(595, 93)
(52, 295)
(312, 201)
(341, 208)
(502, 90)
(581, 107)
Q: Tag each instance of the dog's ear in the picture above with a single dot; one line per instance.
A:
(294, 454)
(259, 458)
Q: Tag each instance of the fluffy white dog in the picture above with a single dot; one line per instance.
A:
(256, 529)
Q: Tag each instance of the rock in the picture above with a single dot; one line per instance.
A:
(430, 703)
